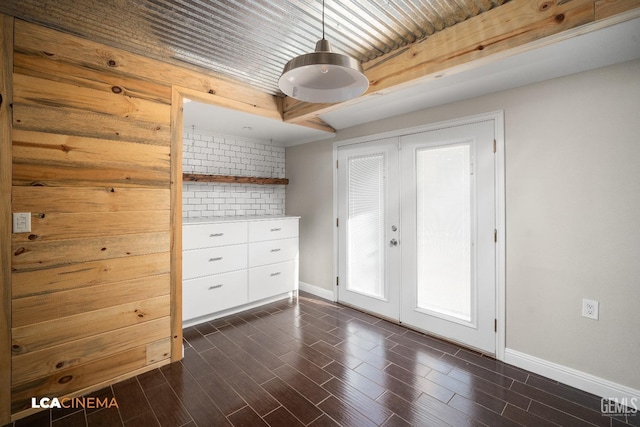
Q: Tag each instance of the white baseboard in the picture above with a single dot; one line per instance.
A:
(573, 377)
(317, 291)
(234, 310)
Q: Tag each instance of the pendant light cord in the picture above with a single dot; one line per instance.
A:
(322, 19)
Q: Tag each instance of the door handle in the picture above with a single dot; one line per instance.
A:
(393, 242)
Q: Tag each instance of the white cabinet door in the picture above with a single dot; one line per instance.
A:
(209, 294)
(196, 236)
(273, 229)
(272, 251)
(203, 262)
(271, 280)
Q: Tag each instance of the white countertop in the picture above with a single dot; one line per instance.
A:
(211, 220)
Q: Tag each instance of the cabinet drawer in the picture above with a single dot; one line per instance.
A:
(209, 294)
(204, 262)
(272, 280)
(273, 229)
(195, 236)
(272, 251)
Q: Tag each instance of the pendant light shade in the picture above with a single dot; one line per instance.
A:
(323, 76)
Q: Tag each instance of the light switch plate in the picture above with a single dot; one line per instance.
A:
(22, 222)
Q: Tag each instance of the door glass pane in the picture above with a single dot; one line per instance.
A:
(444, 230)
(365, 228)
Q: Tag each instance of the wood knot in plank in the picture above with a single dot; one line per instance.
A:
(16, 348)
(65, 148)
(45, 53)
(559, 18)
(544, 6)
(33, 237)
(19, 251)
(65, 379)
(212, 92)
(116, 89)
(112, 63)
(41, 215)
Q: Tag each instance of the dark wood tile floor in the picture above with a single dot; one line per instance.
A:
(313, 363)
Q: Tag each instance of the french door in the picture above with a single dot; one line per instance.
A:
(416, 231)
(369, 217)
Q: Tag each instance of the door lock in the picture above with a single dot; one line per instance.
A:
(393, 242)
(394, 228)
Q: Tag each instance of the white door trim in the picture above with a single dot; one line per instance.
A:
(498, 120)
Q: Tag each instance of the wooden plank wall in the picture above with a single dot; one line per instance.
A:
(91, 289)
(6, 72)
(92, 149)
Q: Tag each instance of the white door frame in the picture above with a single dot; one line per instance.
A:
(498, 120)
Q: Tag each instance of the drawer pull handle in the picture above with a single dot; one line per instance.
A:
(276, 229)
(275, 250)
(216, 235)
(275, 274)
(215, 287)
(215, 259)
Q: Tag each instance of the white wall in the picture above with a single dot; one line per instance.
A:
(216, 154)
(573, 214)
(310, 195)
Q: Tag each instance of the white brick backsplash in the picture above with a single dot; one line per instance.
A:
(228, 155)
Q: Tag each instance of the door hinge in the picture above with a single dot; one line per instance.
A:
(495, 235)
(337, 164)
(337, 280)
(495, 325)
(337, 222)
(494, 145)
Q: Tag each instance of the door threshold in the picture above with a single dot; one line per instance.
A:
(463, 346)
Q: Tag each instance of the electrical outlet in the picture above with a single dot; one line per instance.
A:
(590, 309)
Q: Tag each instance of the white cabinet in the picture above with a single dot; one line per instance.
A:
(209, 294)
(273, 229)
(206, 235)
(216, 260)
(272, 251)
(272, 279)
(233, 262)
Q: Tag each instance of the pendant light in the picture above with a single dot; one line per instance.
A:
(323, 76)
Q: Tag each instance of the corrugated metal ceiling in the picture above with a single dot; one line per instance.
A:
(248, 40)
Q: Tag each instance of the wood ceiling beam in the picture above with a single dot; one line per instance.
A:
(500, 32)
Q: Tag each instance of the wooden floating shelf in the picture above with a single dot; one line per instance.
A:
(198, 177)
